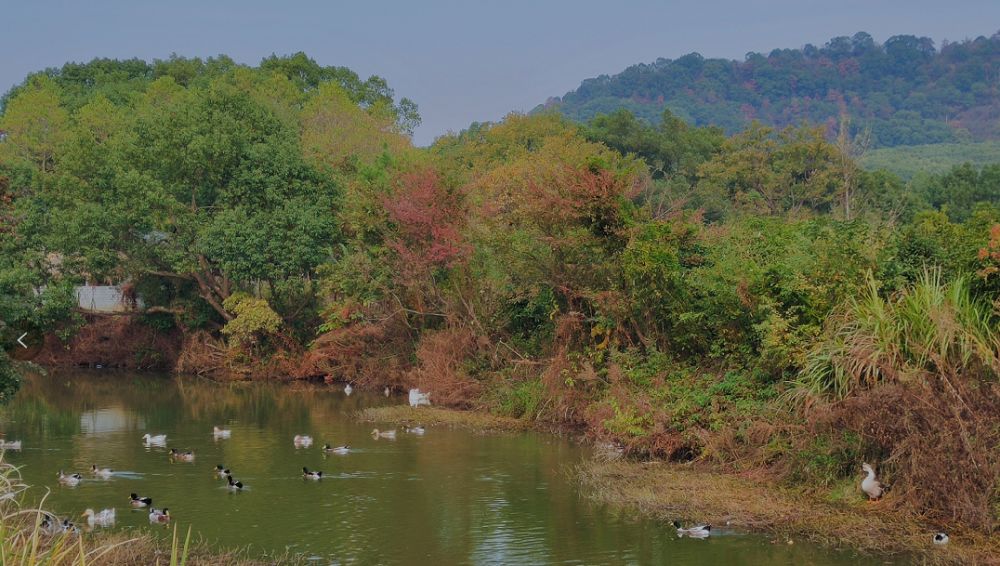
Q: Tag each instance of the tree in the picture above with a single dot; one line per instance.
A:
(772, 172)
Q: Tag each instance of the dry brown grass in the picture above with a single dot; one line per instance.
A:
(671, 491)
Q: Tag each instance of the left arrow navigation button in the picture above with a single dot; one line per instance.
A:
(21, 340)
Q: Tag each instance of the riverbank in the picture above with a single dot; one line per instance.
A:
(690, 493)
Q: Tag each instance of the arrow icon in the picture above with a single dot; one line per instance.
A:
(21, 341)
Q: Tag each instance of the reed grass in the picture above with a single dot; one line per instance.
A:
(933, 328)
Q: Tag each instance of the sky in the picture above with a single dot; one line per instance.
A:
(461, 61)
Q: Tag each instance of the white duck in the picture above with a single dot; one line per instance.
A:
(336, 449)
(698, 531)
(941, 538)
(387, 391)
(302, 441)
(154, 439)
(221, 432)
(415, 429)
(103, 473)
(871, 486)
(417, 398)
(348, 390)
(315, 475)
(10, 444)
(390, 434)
(69, 480)
(104, 518)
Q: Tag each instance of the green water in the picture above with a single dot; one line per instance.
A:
(448, 497)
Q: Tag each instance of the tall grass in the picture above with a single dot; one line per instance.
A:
(935, 328)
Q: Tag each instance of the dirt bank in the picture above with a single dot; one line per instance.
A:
(680, 491)
(113, 341)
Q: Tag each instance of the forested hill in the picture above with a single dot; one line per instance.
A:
(906, 90)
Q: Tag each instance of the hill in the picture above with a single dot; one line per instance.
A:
(906, 90)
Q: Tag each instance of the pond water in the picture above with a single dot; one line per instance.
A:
(448, 497)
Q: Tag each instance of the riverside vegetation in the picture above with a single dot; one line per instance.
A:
(754, 302)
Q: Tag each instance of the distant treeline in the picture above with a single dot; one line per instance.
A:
(905, 90)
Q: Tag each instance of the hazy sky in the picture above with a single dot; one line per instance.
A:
(461, 61)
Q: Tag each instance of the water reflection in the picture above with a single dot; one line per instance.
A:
(448, 497)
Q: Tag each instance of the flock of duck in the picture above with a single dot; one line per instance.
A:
(161, 516)
(870, 485)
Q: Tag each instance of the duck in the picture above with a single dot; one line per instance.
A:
(10, 444)
(104, 518)
(302, 441)
(103, 473)
(182, 455)
(138, 502)
(70, 480)
(387, 391)
(390, 434)
(698, 531)
(221, 432)
(348, 390)
(415, 429)
(159, 516)
(222, 472)
(417, 398)
(316, 475)
(336, 449)
(871, 486)
(51, 525)
(235, 485)
(941, 538)
(154, 439)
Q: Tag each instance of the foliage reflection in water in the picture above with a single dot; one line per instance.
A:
(448, 497)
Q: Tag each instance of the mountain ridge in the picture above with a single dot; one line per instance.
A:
(905, 90)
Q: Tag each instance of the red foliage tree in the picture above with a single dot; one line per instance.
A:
(428, 220)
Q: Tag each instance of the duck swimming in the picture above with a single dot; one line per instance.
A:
(159, 517)
(235, 485)
(317, 475)
(302, 441)
(415, 429)
(390, 434)
(222, 472)
(10, 444)
(70, 480)
(103, 473)
(871, 486)
(158, 439)
(182, 455)
(104, 518)
(138, 502)
(348, 390)
(699, 531)
(336, 449)
(221, 432)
